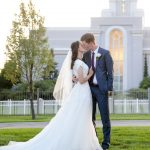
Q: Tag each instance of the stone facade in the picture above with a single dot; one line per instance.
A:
(120, 30)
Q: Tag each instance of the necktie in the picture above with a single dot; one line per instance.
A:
(92, 63)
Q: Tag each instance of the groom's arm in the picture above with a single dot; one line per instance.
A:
(74, 79)
(85, 56)
(109, 67)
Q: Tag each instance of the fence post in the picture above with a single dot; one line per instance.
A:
(113, 100)
(125, 105)
(55, 107)
(41, 106)
(38, 101)
(10, 106)
(24, 107)
(113, 103)
(149, 99)
(137, 105)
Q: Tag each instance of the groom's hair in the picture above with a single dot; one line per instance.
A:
(88, 37)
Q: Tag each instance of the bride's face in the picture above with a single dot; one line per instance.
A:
(81, 48)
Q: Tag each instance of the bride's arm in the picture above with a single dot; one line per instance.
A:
(83, 79)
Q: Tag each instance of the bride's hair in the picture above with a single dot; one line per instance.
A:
(74, 49)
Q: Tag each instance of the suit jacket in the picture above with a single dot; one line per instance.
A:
(104, 69)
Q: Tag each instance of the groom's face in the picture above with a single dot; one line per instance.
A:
(87, 46)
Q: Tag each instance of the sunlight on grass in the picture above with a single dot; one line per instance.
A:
(123, 138)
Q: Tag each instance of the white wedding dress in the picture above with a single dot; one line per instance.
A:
(71, 128)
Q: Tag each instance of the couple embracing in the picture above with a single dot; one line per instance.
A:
(85, 80)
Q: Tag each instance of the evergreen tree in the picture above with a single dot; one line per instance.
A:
(145, 67)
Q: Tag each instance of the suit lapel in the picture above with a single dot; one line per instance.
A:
(99, 52)
(89, 57)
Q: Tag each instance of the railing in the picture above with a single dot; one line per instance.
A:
(25, 95)
(44, 103)
(23, 107)
(130, 102)
(130, 106)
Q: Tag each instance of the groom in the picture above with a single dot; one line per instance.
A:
(101, 83)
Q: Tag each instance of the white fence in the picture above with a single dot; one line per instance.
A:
(23, 107)
(130, 106)
(123, 106)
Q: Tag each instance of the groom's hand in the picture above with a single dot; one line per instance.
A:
(74, 79)
(109, 93)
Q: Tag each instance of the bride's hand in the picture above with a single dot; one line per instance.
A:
(91, 72)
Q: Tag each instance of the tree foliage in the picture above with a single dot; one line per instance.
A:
(145, 67)
(27, 49)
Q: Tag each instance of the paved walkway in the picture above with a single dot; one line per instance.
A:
(43, 124)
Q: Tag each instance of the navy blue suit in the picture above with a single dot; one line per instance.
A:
(104, 76)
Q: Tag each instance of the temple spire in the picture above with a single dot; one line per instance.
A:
(123, 8)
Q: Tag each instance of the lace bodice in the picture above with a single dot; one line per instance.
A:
(79, 63)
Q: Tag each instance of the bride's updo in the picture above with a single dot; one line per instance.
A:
(74, 49)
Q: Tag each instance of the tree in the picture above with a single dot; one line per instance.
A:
(145, 67)
(27, 47)
(11, 72)
(4, 83)
(145, 83)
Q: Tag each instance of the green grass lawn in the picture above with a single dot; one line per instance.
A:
(128, 117)
(129, 138)
(123, 138)
(40, 118)
(45, 118)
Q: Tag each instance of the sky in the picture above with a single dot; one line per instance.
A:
(58, 13)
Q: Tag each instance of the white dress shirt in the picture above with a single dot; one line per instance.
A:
(95, 51)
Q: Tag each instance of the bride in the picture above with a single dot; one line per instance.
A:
(72, 127)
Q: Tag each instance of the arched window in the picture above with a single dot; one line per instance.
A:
(116, 50)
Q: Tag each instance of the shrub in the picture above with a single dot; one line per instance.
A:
(145, 84)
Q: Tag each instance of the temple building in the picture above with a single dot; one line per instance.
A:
(120, 30)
